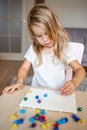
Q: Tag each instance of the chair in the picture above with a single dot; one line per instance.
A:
(78, 49)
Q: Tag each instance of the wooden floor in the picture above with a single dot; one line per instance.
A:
(9, 69)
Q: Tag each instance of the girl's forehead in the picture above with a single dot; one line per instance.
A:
(38, 29)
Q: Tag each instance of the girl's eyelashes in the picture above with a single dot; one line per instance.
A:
(39, 36)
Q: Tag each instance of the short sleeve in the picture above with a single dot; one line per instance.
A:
(30, 55)
(70, 56)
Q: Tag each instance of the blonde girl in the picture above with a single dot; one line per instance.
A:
(49, 54)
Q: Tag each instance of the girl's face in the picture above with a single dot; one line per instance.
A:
(42, 37)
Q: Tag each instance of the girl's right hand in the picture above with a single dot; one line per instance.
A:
(11, 89)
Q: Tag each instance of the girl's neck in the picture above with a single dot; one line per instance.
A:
(49, 50)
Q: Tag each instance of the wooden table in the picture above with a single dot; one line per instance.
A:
(9, 104)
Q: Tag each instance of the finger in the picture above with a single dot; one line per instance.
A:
(6, 90)
(3, 91)
(12, 90)
(69, 92)
(65, 85)
(65, 90)
(16, 87)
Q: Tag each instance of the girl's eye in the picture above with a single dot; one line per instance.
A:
(38, 36)
(45, 34)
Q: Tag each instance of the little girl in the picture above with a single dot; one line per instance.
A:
(49, 54)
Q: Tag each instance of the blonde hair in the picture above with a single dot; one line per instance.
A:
(42, 14)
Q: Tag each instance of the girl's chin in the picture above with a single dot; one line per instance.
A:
(49, 46)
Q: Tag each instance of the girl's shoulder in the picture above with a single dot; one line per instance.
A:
(30, 49)
(70, 55)
(70, 45)
(69, 51)
(30, 54)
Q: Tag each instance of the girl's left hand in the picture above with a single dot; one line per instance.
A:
(68, 88)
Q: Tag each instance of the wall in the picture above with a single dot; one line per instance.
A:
(79, 35)
(72, 13)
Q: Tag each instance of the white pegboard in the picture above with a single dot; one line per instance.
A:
(49, 100)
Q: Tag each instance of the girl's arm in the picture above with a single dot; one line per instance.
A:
(78, 77)
(22, 73)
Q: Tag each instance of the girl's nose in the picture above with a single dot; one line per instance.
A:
(45, 38)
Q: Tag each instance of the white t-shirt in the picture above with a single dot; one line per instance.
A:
(48, 74)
